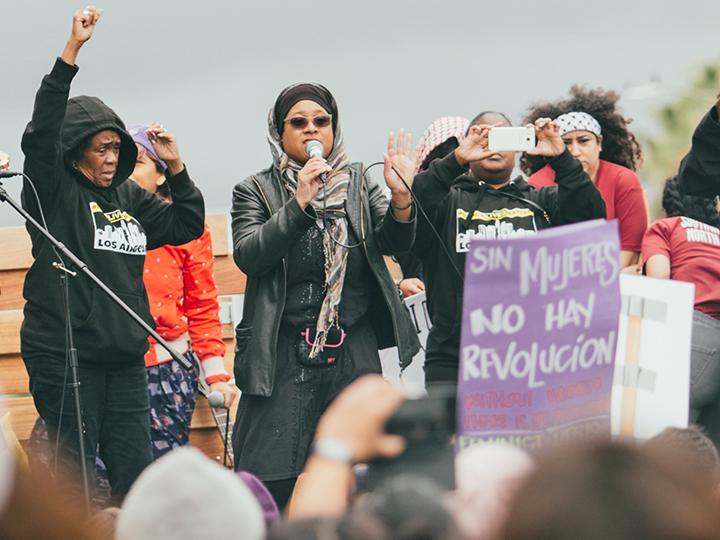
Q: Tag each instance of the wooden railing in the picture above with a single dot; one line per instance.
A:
(14, 391)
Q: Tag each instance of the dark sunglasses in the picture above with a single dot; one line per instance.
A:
(300, 122)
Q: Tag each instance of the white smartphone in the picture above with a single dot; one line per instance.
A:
(511, 139)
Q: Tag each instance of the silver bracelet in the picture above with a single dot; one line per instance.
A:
(335, 450)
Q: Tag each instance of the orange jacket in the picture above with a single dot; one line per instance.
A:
(183, 302)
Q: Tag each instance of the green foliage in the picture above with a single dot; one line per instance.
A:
(677, 119)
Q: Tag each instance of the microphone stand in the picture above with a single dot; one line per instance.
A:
(225, 436)
(72, 354)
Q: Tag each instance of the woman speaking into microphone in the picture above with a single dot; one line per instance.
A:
(310, 233)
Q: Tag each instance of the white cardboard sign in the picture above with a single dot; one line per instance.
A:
(651, 386)
(413, 378)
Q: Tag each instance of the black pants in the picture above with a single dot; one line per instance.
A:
(281, 491)
(115, 413)
(272, 435)
(440, 366)
(705, 375)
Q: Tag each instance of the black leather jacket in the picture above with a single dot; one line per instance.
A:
(266, 221)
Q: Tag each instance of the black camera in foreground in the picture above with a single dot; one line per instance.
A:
(428, 426)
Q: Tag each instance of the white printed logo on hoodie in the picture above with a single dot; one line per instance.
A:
(500, 224)
(117, 231)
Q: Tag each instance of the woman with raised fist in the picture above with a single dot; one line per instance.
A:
(79, 156)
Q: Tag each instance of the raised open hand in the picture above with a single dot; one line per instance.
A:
(475, 146)
(549, 142)
(400, 160)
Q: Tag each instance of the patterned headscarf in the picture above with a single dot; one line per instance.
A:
(440, 131)
(329, 205)
(577, 121)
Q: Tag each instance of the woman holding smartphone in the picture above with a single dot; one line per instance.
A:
(471, 193)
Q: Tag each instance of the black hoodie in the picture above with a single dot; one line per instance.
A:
(461, 208)
(109, 229)
(700, 168)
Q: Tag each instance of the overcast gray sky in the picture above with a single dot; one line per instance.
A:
(209, 71)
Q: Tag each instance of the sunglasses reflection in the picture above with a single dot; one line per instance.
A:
(301, 122)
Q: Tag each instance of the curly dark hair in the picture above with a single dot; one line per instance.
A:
(698, 208)
(619, 145)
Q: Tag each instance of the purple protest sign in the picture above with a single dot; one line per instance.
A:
(539, 331)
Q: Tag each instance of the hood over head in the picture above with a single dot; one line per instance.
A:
(85, 116)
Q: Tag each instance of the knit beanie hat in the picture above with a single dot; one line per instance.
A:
(271, 513)
(186, 496)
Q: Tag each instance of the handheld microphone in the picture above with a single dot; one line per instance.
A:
(216, 399)
(314, 149)
(9, 174)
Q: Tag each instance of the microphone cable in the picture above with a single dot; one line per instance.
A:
(415, 202)
(432, 227)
